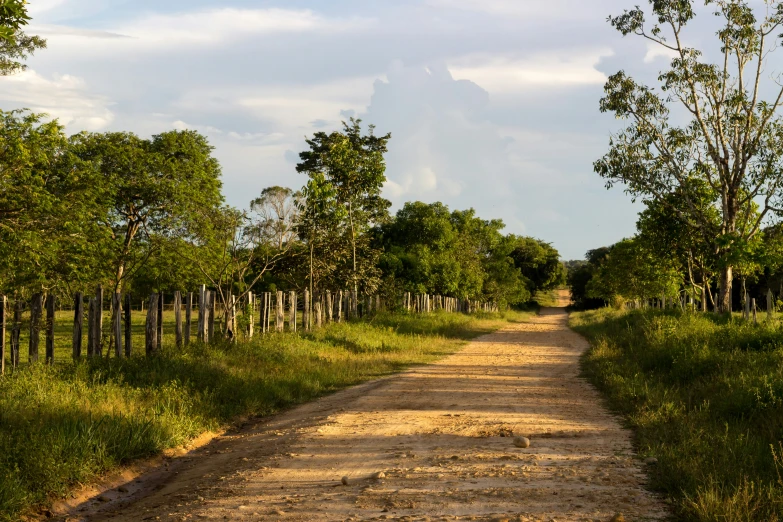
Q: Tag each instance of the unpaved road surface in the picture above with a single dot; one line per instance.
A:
(440, 434)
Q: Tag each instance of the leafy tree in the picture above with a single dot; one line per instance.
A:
(48, 207)
(15, 45)
(631, 271)
(319, 215)
(354, 165)
(734, 140)
(153, 188)
(540, 263)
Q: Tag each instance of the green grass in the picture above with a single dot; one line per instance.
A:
(69, 423)
(704, 395)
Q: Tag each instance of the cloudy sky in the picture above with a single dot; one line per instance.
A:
(492, 104)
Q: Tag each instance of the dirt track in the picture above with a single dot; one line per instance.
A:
(439, 434)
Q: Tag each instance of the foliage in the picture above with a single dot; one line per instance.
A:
(732, 144)
(15, 45)
(354, 166)
(704, 397)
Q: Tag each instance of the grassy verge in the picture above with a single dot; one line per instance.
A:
(69, 423)
(705, 397)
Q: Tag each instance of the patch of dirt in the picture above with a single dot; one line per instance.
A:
(433, 443)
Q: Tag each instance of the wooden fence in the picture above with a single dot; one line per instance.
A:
(688, 303)
(269, 312)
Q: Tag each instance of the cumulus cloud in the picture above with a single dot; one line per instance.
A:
(504, 74)
(64, 97)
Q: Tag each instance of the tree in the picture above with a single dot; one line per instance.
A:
(733, 142)
(354, 165)
(319, 215)
(539, 262)
(153, 188)
(48, 207)
(15, 45)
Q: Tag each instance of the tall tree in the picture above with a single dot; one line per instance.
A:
(154, 188)
(732, 144)
(354, 165)
(15, 45)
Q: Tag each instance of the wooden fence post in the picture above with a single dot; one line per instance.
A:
(280, 314)
(99, 321)
(128, 327)
(3, 307)
(264, 307)
(16, 332)
(251, 309)
(202, 316)
(770, 304)
(178, 318)
(211, 309)
(188, 317)
(151, 330)
(160, 319)
(755, 315)
(231, 317)
(329, 309)
(78, 325)
(339, 306)
(117, 323)
(306, 320)
(36, 309)
(318, 319)
(50, 308)
(292, 311)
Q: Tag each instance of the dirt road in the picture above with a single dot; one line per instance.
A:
(430, 444)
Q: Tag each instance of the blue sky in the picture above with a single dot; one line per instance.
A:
(492, 104)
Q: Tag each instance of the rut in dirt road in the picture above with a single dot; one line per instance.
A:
(432, 443)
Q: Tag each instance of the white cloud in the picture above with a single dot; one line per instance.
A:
(289, 107)
(655, 51)
(208, 27)
(523, 8)
(64, 97)
(506, 74)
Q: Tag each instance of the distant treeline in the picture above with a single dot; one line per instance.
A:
(144, 215)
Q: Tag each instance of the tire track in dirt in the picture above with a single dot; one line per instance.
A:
(439, 434)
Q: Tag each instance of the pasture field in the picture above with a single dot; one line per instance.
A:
(704, 396)
(68, 423)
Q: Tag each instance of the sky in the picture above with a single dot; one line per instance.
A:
(492, 104)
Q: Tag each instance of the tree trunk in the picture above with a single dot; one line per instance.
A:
(726, 279)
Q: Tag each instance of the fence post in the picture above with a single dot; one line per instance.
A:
(755, 316)
(99, 321)
(340, 306)
(329, 309)
(292, 311)
(116, 318)
(188, 317)
(317, 306)
(78, 324)
(211, 308)
(36, 306)
(251, 306)
(202, 316)
(306, 320)
(280, 314)
(50, 302)
(3, 306)
(231, 317)
(178, 318)
(160, 318)
(264, 306)
(151, 330)
(128, 327)
(15, 333)
(770, 305)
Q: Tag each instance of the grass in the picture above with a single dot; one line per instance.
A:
(68, 423)
(704, 395)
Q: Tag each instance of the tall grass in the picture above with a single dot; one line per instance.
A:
(704, 395)
(68, 423)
